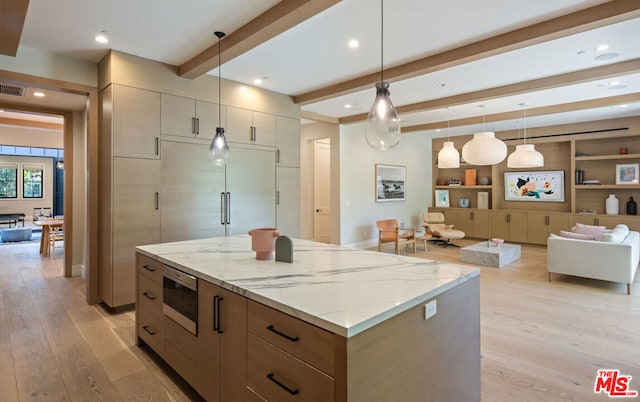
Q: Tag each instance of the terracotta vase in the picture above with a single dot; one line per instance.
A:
(263, 242)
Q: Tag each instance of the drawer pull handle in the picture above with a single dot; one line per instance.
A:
(272, 377)
(149, 296)
(275, 331)
(148, 268)
(150, 332)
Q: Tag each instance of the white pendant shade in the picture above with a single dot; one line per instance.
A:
(484, 149)
(448, 157)
(525, 156)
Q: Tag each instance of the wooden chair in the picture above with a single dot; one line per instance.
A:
(390, 232)
(56, 235)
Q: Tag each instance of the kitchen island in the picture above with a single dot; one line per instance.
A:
(337, 324)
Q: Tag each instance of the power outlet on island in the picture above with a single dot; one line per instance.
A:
(430, 309)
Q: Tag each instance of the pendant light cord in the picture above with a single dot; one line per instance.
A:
(220, 35)
(381, 40)
(524, 137)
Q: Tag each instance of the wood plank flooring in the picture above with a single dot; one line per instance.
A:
(541, 341)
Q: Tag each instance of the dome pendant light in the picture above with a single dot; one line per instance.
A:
(219, 148)
(484, 149)
(525, 155)
(383, 126)
(448, 157)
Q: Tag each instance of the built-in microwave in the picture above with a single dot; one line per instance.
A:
(180, 298)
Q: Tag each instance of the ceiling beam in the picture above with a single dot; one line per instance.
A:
(555, 81)
(31, 124)
(555, 28)
(12, 15)
(531, 112)
(318, 117)
(281, 17)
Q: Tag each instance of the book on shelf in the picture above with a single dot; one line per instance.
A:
(591, 181)
(588, 211)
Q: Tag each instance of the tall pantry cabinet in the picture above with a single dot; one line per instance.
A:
(157, 183)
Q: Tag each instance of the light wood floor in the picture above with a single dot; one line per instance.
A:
(541, 341)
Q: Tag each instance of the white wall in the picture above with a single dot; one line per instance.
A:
(359, 210)
(31, 137)
(309, 133)
(26, 206)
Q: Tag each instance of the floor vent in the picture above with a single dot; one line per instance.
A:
(11, 90)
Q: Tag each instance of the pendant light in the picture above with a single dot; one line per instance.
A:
(484, 149)
(448, 157)
(383, 126)
(219, 148)
(525, 155)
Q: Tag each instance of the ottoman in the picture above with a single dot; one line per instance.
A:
(15, 234)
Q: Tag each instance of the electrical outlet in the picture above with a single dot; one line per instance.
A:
(430, 309)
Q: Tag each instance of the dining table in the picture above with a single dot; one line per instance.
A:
(44, 239)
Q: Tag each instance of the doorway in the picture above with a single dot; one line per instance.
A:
(322, 190)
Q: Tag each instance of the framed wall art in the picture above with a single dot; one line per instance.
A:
(627, 174)
(534, 186)
(442, 198)
(390, 183)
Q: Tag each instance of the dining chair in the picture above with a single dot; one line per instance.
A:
(56, 237)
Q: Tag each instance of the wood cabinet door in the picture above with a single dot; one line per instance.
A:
(463, 222)
(239, 123)
(190, 193)
(177, 116)
(288, 201)
(251, 188)
(609, 221)
(518, 227)
(633, 222)
(208, 115)
(136, 122)
(265, 129)
(136, 221)
(558, 222)
(499, 225)
(288, 141)
(585, 219)
(537, 228)
(210, 356)
(481, 224)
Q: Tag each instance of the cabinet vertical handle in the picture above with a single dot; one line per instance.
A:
(223, 208)
(596, 221)
(193, 125)
(252, 134)
(157, 196)
(546, 220)
(228, 208)
(272, 377)
(508, 218)
(277, 156)
(216, 314)
(197, 126)
(473, 217)
(157, 146)
(277, 197)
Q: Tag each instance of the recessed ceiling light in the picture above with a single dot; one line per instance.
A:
(483, 106)
(349, 105)
(441, 85)
(581, 52)
(102, 37)
(616, 85)
(257, 81)
(602, 48)
(623, 106)
(38, 94)
(607, 56)
(353, 43)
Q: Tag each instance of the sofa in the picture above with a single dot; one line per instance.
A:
(595, 252)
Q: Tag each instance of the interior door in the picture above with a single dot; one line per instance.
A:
(322, 190)
(251, 190)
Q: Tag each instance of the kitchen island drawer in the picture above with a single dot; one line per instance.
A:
(151, 329)
(307, 342)
(149, 295)
(277, 376)
(150, 268)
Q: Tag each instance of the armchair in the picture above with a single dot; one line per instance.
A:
(390, 232)
(442, 233)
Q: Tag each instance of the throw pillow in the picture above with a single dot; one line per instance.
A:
(595, 231)
(577, 236)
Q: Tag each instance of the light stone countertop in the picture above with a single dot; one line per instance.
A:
(343, 290)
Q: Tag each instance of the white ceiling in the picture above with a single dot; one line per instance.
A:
(315, 53)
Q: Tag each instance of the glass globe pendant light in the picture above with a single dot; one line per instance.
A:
(219, 148)
(383, 127)
(525, 155)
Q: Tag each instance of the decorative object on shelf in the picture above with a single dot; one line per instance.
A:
(383, 125)
(497, 242)
(484, 149)
(390, 183)
(525, 155)
(263, 242)
(579, 176)
(463, 203)
(448, 157)
(455, 181)
(632, 207)
(627, 174)
(284, 249)
(591, 181)
(219, 148)
(483, 200)
(624, 151)
(441, 181)
(470, 177)
(442, 198)
(534, 186)
(588, 211)
(484, 181)
(612, 205)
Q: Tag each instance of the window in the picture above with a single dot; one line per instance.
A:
(32, 182)
(8, 182)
